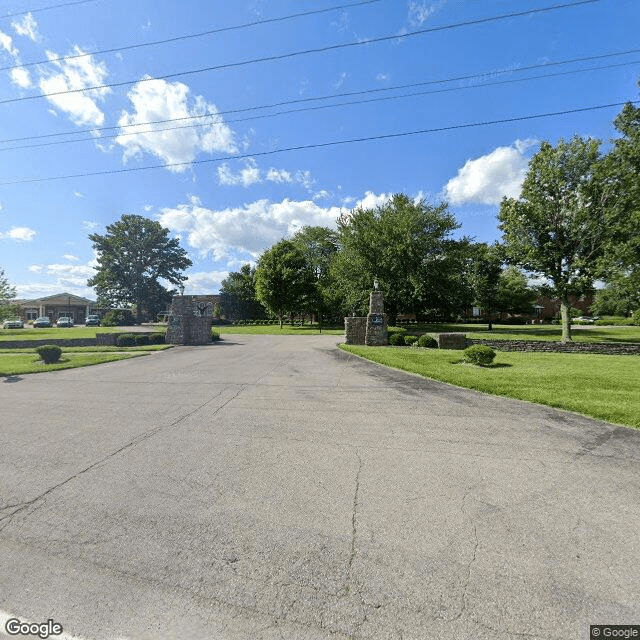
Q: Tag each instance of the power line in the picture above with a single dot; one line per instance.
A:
(52, 6)
(319, 145)
(189, 36)
(306, 51)
(473, 76)
(304, 109)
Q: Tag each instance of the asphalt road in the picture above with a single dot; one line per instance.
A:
(278, 488)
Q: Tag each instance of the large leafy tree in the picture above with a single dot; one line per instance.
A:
(133, 255)
(284, 279)
(238, 295)
(557, 229)
(515, 294)
(404, 245)
(7, 293)
(620, 296)
(485, 275)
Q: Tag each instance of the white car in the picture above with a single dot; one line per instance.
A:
(16, 323)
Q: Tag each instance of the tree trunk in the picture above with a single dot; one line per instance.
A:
(138, 313)
(280, 317)
(566, 320)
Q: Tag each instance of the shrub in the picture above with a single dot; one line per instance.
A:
(215, 336)
(616, 320)
(141, 339)
(479, 354)
(636, 317)
(396, 339)
(428, 342)
(126, 340)
(401, 330)
(409, 340)
(118, 318)
(156, 338)
(49, 353)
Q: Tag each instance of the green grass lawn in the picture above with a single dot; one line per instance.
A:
(62, 334)
(16, 362)
(601, 386)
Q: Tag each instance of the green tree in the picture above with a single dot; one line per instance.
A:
(133, 255)
(238, 299)
(515, 295)
(485, 279)
(7, 294)
(284, 279)
(620, 296)
(557, 229)
(404, 245)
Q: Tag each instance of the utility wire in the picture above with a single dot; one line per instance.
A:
(293, 54)
(319, 145)
(190, 35)
(304, 109)
(52, 6)
(473, 76)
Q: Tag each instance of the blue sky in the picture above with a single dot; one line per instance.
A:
(224, 187)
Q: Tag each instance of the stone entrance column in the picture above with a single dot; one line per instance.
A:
(190, 320)
(376, 332)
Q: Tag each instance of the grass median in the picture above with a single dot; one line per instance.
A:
(19, 362)
(601, 386)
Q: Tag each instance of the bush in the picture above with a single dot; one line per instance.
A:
(401, 330)
(616, 320)
(126, 340)
(396, 339)
(215, 336)
(409, 340)
(427, 341)
(49, 353)
(636, 317)
(141, 339)
(479, 354)
(156, 338)
(118, 318)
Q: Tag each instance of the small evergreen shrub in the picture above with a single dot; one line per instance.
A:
(409, 340)
(141, 339)
(396, 339)
(49, 353)
(427, 342)
(215, 336)
(156, 338)
(126, 340)
(479, 354)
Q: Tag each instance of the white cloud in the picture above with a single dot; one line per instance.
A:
(420, 12)
(88, 224)
(73, 74)
(488, 178)
(248, 229)
(70, 258)
(371, 200)
(279, 175)
(26, 27)
(341, 79)
(382, 77)
(247, 176)
(204, 282)
(6, 43)
(21, 77)
(19, 234)
(155, 100)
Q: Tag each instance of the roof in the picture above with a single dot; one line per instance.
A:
(60, 298)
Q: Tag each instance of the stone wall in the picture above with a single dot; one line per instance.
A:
(560, 347)
(355, 329)
(451, 340)
(190, 320)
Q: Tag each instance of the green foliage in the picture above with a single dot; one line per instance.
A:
(514, 294)
(409, 340)
(117, 318)
(7, 293)
(157, 338)
(428, 342)
(558, 227)
(396, 329)
(620, 296)
(238, 299)
(49, 353)
(403, 244)
(485, 275)
(285, 283)
(126, 340)
(215, 336)
(132, 256)
(620, 321)
(636, 317)
(141, 339)
(396, 339)
(479, 354)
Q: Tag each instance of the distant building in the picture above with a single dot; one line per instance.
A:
(58, 306)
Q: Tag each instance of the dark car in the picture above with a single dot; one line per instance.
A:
(92, 320)
(42, 321)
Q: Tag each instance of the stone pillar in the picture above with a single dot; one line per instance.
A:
(376, 332)
(190, 321)
(355, 329)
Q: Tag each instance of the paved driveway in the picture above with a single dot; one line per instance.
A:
(275, 487)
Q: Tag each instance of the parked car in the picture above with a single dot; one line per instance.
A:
(92, 319)
(587, 319)
(65, 322)
(42, 321)
(16, 323)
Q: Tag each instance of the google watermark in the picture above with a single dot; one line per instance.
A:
(619, 631)
(44, 630)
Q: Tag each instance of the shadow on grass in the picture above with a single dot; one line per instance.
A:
(495, 365)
